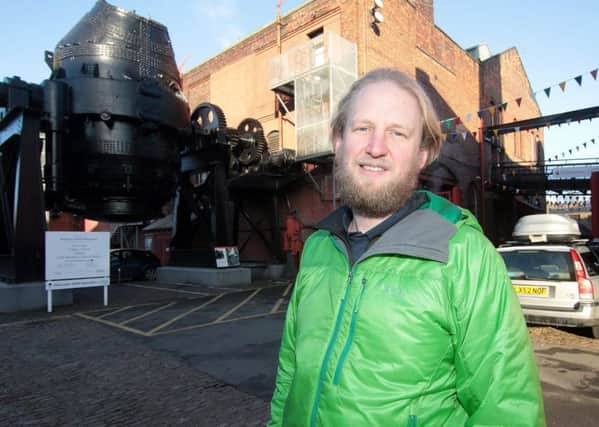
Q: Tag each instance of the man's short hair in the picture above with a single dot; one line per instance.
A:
(431, 132)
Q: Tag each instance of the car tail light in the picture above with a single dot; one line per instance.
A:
(586, 290)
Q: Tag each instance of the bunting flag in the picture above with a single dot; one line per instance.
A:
(496, 132)
(562, 86)
(464, 135)
(584, 144)
(447, 123)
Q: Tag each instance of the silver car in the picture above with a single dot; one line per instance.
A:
(556, 281)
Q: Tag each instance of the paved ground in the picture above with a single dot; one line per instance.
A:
(144, 359)
(175, 354)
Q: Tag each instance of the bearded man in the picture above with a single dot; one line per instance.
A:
(402, 313)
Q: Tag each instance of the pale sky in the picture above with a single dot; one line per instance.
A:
(556, 40)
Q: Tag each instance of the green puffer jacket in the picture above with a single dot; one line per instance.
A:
(424, 330)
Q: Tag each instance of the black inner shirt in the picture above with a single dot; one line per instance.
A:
(360, 242)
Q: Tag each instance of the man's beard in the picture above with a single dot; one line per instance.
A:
(378, 201)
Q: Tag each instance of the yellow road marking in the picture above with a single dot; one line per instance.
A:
(148, 313)
(116, 325)
(222, 322)
(168, 289)
(228, 313)
(114, 312)
(173, 320)
(280, 300)
(288, 289)
(101, 310)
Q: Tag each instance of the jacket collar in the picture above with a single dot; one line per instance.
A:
(423, 233)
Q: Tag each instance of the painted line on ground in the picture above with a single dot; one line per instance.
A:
(101, 310)
(173, 320)
(109, 323)
(215, 323)
(228, 313)
(280, 300)
(127, 307)
(170, 290)
(141, 316)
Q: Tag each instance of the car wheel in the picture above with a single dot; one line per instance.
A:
(595, 331)
(150, 273)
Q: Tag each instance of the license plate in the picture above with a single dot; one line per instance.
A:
(536, 291)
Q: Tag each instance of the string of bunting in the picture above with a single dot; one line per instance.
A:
(584, 145)
(452, 137)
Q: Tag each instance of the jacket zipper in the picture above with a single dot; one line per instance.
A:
(350, 336)
(327, 355)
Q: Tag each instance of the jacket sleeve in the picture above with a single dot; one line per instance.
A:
(286, 367)
(496, 373)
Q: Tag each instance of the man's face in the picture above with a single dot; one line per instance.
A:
(379, 159)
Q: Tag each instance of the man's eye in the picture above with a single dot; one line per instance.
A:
(361, 129)
(397, 134)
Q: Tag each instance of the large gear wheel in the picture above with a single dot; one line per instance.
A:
(254, 146)
(208, 117)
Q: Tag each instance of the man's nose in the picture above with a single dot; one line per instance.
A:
(377, 145)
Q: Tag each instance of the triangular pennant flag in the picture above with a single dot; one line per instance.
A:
(594, 74)
(480, 114)
(517, 129)
(593, 140)
(578, 80)
(504, 106)
(457, 120)
(496, 132)
(584, 144)
(492, 110)
(562, 86)
(453, 137)
(556, 157)
(570, 151)
(577, 148)
(519, 101)
(547, 91)
(474, 135)
(464, 135)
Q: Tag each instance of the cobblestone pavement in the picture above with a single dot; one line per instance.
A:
(72, 371)
(63, 369)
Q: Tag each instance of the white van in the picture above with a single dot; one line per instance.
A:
(554, 273)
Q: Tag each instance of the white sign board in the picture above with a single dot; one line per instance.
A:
(226, 256)
(76, 260)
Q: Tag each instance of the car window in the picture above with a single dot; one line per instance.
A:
(591, 261)
(539, 264)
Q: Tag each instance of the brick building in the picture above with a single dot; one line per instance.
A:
(264, 76)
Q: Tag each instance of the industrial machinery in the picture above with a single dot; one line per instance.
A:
(118, 140)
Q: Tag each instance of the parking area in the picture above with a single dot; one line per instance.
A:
(180, 354)
(191, 308)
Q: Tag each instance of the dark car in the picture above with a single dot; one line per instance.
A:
(133, 264)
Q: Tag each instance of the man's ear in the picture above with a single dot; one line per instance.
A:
(423, 158)
(337, 143)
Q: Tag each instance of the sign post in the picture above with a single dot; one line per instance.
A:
(77, 260)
